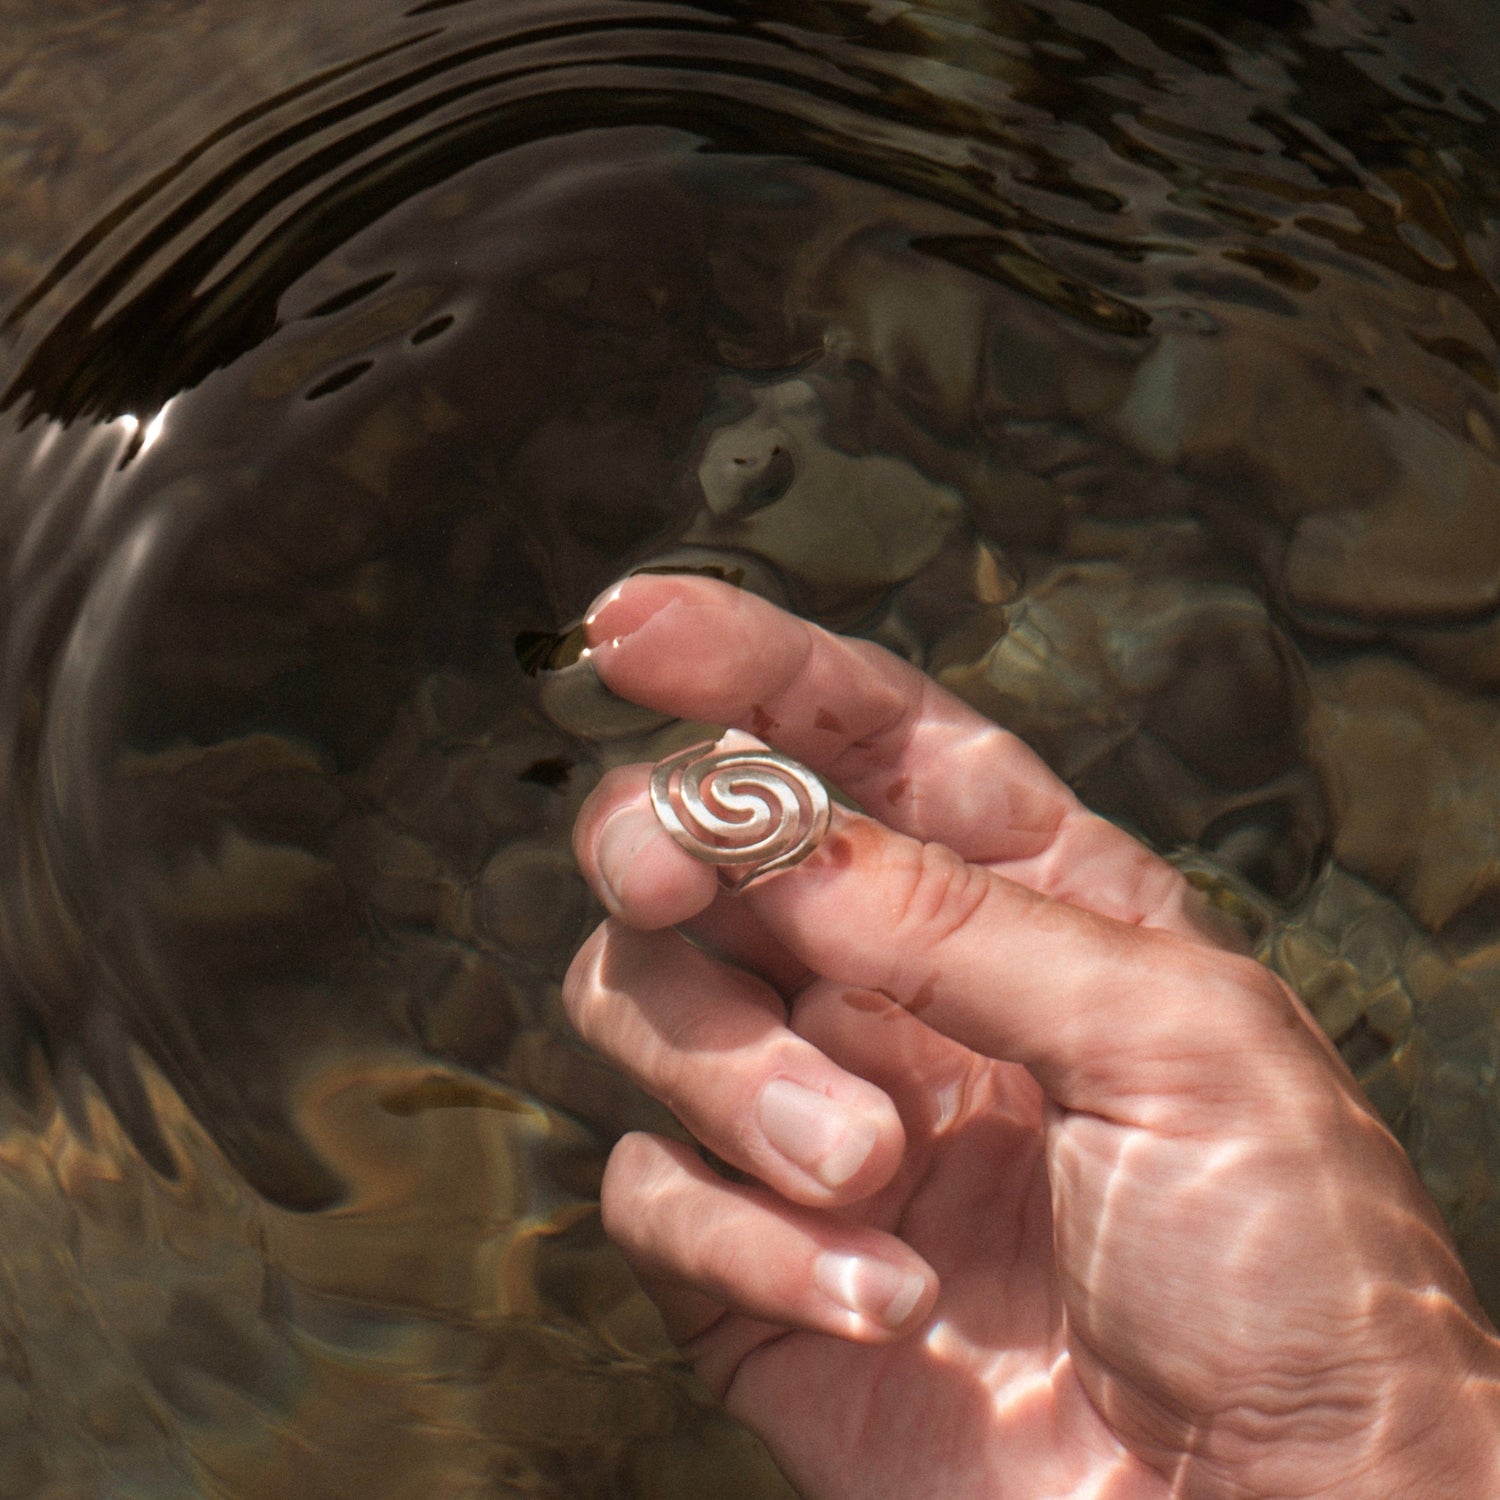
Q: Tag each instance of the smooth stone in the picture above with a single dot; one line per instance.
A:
(1412, 769)
(839, 524)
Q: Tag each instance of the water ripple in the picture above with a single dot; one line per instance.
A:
(1132, 370)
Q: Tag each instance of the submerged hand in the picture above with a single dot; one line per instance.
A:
(1042, 1190)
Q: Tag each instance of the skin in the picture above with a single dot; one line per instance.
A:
(1038, 1186)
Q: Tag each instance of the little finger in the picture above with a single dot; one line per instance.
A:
(679, 1224)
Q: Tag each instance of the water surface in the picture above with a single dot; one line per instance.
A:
(1133, 370)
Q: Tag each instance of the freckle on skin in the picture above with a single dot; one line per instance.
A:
(924, 997)
(851, 839)
(897, 789)
(863, 1000)
(838, 851)
(760, 721)
(831, 722)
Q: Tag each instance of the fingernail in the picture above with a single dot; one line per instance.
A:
(823, 1138)
(621, 610)
(625, 832)
(872, 1289)
(614, 615)
(597, 608)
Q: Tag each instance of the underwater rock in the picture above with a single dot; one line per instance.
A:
(1363, 968)
(1417, 1031)
(1412, 772)
(531, 900)
(1423, 543)
(1166, 702)
(396, 876)
(268, 786)
(929, 335)
(251, 881)
(578, 703)
(840, 524)
(1196, 398)
(1466, 655)
(460, 1003)
(1374, 470)
(464, 799)
(955, 601)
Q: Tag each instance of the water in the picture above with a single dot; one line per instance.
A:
(1133, 370)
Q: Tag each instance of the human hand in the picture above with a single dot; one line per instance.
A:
(1046, 1191)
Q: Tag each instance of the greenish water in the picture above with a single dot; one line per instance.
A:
(1132, 370)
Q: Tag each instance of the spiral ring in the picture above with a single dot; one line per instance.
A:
(751, 812)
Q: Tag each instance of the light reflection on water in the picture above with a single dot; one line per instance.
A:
(1135, 374)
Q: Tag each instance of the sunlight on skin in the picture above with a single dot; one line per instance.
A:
(1023, 1395)
(945, 1104)
(869, 722)
(1202, 1269)
(840, 1276)
(1012, 1378)
(941, 1339)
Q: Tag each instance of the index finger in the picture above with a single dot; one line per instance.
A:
(910, 753)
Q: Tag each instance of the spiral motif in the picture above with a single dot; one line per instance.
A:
(752, 812)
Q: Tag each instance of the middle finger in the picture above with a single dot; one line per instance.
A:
(711, 1042)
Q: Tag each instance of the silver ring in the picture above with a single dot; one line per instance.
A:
(751, 812)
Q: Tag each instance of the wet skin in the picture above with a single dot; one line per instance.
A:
(1041, 1187)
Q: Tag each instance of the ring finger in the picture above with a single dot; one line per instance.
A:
(711, 1042)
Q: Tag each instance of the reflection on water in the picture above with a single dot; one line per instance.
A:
(1133, 372)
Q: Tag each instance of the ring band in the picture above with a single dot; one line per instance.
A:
(750, 812)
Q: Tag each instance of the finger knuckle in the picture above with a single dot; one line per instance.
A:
(614, 787)
(585, 996)
(939, 897)
(637, 1176)
(1254, 997)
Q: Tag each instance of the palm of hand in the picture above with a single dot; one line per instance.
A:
(1098, 1283)
(990, 1390)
